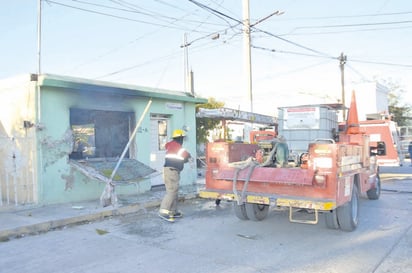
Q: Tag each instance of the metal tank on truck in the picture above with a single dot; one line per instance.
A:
(300, 125)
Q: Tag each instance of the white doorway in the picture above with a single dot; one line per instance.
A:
(159, 132)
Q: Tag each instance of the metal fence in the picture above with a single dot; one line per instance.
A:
(18, 184)
(17, 188)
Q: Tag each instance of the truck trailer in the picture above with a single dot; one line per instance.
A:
(329, 178)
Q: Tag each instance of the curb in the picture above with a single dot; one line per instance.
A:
(48, 225)
(395, 175)
(42, 227)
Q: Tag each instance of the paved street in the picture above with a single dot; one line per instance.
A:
(212, 239)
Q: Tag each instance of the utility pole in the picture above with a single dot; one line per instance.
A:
(247, 52)
(186, 62)
(342, 62)
(247, 47)
(39, 7)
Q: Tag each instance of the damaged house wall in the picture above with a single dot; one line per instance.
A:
(56, 141)
(83, 122)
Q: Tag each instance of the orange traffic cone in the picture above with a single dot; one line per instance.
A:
(352, 122)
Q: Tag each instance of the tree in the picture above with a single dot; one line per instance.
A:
(204, 125)
(398, 109)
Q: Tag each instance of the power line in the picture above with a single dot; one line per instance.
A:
(106, 14)
(343, 31)
(356, 25)
(132, 8)
(169, 25)
(292, 52)
(155, 15)
(382, 63)
(112, 51)
(128, 9)
(172, 55)
(138, 65)
(317, 56)
(363, 77)
(213, 11)
(293, 43)
(299, 69)
(350, 16)
(220, 14)
(216, 12)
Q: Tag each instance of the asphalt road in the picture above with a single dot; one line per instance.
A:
(212, 239)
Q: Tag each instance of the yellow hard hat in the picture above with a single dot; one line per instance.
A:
(178, 133)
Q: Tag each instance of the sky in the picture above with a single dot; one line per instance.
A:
(295, 46)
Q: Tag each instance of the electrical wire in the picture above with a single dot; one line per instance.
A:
(349, 16)
(155, 15)
(173, 54)
(296, 70)
(171, 26)
(220, 14)
(133, 8)
(382, 63)
(356, 25)
(216, 13)
(294, 53)
(337, 58)
(362, 77)
(343, 31)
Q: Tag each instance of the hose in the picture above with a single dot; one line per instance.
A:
(251, 164)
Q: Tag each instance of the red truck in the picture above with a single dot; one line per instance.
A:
(329, 178)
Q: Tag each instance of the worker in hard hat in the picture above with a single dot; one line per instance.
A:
(176, 157)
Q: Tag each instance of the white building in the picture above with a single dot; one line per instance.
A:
(371, 98)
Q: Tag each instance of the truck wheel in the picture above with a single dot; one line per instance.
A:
(331, 219)
(375, 193)
(348, 213)
(256, 212)
(240, 211)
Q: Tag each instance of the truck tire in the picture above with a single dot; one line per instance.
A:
(256, 212)
(348, 214)
(331, 219)
(240, 211)
(375, 193)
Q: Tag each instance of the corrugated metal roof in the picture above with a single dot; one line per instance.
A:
(232, 114)
(130, 170)
(333, 106)
(115, 88)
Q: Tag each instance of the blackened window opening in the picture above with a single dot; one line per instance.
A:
(100, 134)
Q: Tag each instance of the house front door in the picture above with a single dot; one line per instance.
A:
(159, 132)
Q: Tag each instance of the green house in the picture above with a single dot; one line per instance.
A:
(62, 137)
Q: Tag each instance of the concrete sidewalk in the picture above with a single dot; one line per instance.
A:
(17, 222)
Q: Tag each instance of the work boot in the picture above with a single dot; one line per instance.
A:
(178, 214)
(167, 217)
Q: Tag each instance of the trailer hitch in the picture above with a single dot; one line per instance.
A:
(304, 221)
